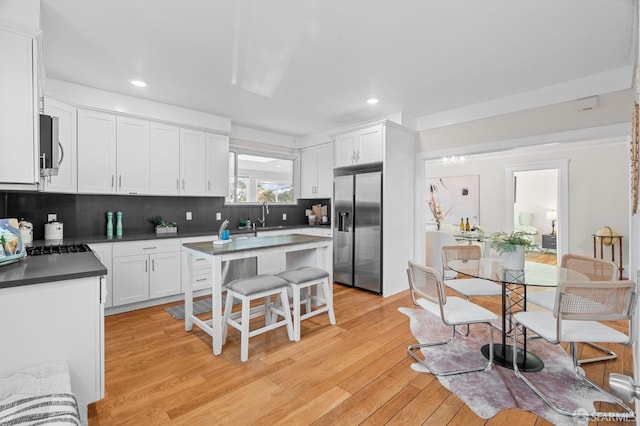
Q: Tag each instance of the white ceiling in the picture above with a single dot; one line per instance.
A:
(299, 67)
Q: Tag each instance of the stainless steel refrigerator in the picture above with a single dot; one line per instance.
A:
(357, 236)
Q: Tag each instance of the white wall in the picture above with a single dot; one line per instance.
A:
(598, 187)
(614, 108)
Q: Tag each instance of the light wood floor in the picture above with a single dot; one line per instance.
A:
(356, 372)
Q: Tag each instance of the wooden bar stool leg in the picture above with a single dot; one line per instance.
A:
(286, 311)
(328, 300)
(295, 290)
(244, 332)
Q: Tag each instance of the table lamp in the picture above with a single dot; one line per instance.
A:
(552, 215)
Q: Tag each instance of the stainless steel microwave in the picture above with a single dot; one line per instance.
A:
(51, 153)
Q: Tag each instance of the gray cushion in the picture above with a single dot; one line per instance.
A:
(304, 274)
(256, 284)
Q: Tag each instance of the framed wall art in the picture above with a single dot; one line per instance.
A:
(456, 196)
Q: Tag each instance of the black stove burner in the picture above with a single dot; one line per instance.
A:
(57, 249)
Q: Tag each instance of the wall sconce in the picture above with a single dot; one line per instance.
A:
(552, 215)
(454, 160)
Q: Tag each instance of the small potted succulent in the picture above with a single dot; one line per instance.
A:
(163, 227)
(512, 247)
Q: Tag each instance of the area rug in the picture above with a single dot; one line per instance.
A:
(199, 307)
(489, 392)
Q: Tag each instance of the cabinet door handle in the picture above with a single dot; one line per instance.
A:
(146, 266)
(201, 279)
(183, 184)
(120, 182)
(113, 178)
(178, 183)
(208, 185)
(149, 248)
(153, 265)
(61, 154)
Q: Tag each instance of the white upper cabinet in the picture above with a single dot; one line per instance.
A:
(123, 155)
(18, 109)
(66, 180)
(132, 155)
(113, 154)
(316, 172)
(193, 162)
(217, 167)
(360, 147)
(165, 159)
(96, 152)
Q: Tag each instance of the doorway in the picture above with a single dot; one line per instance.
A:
(537, 203)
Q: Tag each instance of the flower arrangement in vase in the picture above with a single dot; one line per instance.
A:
(436, 209)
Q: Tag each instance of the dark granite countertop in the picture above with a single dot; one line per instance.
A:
(58, 267)
(50, 268)
(246, 244)
(179, 234)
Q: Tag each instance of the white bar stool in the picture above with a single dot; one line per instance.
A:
(248, 289)
(301, 279)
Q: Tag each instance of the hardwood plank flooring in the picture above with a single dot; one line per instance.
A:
(356, 372)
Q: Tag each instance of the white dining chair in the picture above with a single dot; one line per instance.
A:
(427, 291)
(595, 270)
(468, 287)
(578, 311)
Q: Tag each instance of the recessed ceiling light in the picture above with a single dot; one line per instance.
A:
(372, 101)
(138, 83)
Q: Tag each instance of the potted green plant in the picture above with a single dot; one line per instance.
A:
(512, 247)
(163, 227)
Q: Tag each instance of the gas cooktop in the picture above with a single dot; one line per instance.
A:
(57, 249)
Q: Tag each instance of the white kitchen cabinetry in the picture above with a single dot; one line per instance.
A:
(217, 165)
(18, 109)
(186, 162)
(96, 152)
(359, 147)
(113, 154)
(145, 270)
(65, 323)
(104, 253)
(193, 162)
(132, 155)
(316, 172)
(165, 159)
(66, 180)
(202, 277)
(394, 146)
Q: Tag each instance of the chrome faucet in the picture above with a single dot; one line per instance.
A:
(263, 220)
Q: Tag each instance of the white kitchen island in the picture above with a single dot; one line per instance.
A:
(298, 250)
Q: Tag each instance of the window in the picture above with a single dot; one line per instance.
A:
(256, 178)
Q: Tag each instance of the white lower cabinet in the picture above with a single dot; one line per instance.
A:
(64, 323)
(145, 270)
(104, 253)
(202, 277)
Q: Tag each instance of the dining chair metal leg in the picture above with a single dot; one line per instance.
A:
(423, 362)
(629, 414)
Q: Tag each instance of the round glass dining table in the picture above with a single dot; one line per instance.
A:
(514, 299)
